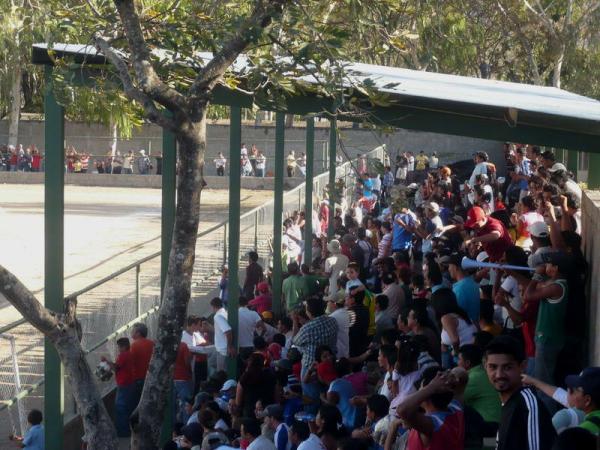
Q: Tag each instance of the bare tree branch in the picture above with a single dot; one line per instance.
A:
(148, 79)
(95, 10)
(25, 302)
(260, 18)
(151, 111)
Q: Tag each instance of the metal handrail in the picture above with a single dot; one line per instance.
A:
(4, 404)
(139, 262)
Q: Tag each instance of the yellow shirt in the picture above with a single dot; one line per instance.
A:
(422, 161)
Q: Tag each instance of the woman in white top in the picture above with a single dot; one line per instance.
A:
(457, 328)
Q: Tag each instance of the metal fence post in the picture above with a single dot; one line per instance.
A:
(225, 243)
(256, 231)
(17, 378)
(138, 293)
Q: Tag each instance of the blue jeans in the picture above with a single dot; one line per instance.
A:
(183, 392)
(123, 409)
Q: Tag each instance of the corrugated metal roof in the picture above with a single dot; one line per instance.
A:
(542, 106)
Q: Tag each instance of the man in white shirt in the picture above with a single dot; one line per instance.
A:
(250, 431)
(341, 316)
(336, 264)
(303, 439)
(434, 161)
(274, 420)
(247, 322)
(223, 334)
(220, 162)
(480, 167)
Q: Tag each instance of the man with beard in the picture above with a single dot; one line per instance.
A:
(525, 423)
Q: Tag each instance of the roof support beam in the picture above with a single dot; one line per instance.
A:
(54, 211)
(278, 213)
(480, 127)
(332, 167)
(308, 201)
(233, 284)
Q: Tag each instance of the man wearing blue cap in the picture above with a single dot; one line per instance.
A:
(585, 390)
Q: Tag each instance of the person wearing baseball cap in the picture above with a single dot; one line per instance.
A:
(585, 394)
(540, 238)
(490, 232)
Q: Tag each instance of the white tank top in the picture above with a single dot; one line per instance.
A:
(465, 332)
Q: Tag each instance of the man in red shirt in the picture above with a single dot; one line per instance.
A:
(182, 377)
(490, 232)
(141, 353)
(124, 379)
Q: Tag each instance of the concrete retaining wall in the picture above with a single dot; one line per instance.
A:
(591, 248)
(141, 181)
(95, 139)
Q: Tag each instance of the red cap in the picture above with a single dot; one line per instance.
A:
(263, 287)
(474, 215)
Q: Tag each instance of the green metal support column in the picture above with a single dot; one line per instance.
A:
(332, 167)
(573, 161)
(54, 207)
(168, 207)
(308, 191)
(233, 284)
(278, 211)
(593, 180)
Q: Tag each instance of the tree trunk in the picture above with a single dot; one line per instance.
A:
(15, 106)
(100, 432)
(64, 332)
(148, 417)
(556, 74)
(113, 136)
(289, 120)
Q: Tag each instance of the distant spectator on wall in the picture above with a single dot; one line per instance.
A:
(143, 163)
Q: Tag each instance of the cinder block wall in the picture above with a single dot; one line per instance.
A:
(95, 139)
(591, 248)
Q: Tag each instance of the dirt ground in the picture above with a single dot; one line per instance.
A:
(105, 230)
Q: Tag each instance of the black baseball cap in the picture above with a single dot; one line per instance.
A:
(588, 380)
(454, 258)
(560, 259)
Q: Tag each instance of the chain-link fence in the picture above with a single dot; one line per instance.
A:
(109, 307)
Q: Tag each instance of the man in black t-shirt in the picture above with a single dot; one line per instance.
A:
(525, 423)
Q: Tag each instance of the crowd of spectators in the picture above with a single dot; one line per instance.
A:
(31, 159)
(398, 335)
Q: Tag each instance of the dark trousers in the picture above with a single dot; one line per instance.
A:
(220, 171)
(123, 409)
(200, 374)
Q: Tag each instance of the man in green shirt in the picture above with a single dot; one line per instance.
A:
(585, 395)
(294, 287)
(314, 283)
(479, 393)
